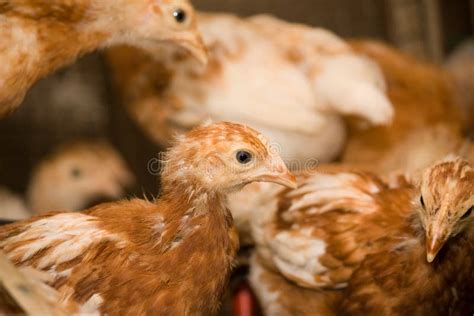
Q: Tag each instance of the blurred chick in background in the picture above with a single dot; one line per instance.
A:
(38, 37)
(75, 176)
(426, 127)
(292, 82)
(296, 84)
(460, 65)
(427, 122)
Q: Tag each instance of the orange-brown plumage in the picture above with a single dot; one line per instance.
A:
(426, 124)
(426, 269)
(168, 257)
(399, 249)
(38, 37)
(331, 221)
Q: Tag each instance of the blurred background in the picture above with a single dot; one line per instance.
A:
(77, 102)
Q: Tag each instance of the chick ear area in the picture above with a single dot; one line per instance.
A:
(468, 213)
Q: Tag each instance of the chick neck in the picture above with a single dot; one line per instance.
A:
(186, 188)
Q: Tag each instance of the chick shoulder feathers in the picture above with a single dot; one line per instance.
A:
(322, 231)
(106, 255)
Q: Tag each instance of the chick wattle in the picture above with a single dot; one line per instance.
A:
(38, 37)
(168, 257)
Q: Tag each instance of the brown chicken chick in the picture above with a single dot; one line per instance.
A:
(317, 234)
(281, 78)
(39, 36)
(75, 176)
(426, 114)
(402, 250)
(460, 65)
(168, 257)
(427, 268)
(78, 175)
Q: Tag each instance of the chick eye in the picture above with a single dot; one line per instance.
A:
(422, 201)
(76, 173)
(468, 213)
(180, 15)
(243, 157)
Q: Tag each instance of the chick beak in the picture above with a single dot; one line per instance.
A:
(277, 172)
(433, 246)
(193, 43)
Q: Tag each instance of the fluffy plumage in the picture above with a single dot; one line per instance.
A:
(168, 257)
(279, 296)
(372, 224)
(283, 79)
(400, 248)
(426, 269)
(460, 65)
(75, 176)
(425, 108)
(318, 234)
(40, 36)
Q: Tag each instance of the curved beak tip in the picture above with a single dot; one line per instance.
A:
(433, 246)
(288, 180)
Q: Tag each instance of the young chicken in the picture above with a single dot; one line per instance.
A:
(401, 249)
(39, 36)
(75, 176)
(283, 79)
(168, 257)
(78, 175)
(460, 65)
(426, 114)
(427, 269)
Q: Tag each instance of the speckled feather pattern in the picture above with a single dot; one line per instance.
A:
(323, 230)
(169, 257)
(381, 252)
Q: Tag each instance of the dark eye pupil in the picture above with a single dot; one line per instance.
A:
(243, 157)
(179, 15)
(468, 213)
(422, 201)
(76, 173)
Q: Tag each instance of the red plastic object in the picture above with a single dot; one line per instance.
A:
(243, 301)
